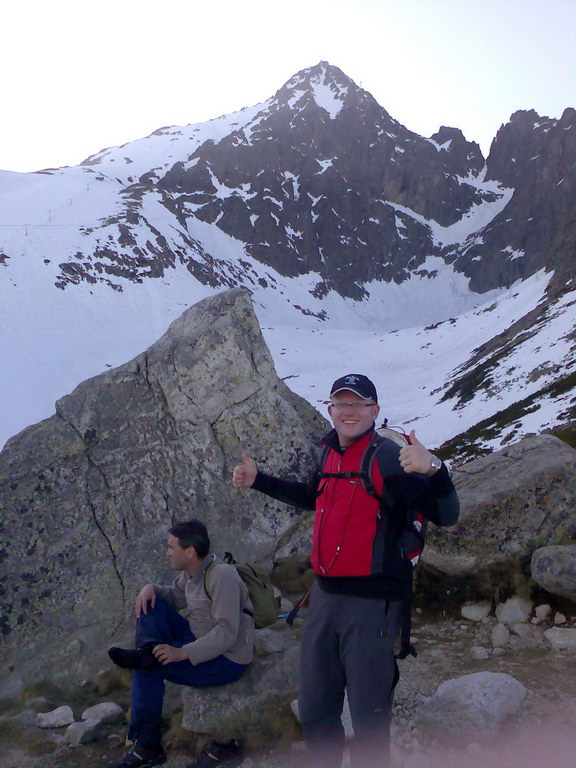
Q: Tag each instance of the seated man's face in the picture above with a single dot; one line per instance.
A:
(180, 558)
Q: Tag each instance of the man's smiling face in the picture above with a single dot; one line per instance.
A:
(351, 415)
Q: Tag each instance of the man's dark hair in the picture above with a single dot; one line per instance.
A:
(192, 533)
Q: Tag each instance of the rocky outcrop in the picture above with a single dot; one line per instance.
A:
(533, 155)
(513, 502)
(88, 495)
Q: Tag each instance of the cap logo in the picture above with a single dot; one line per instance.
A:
(351, 380)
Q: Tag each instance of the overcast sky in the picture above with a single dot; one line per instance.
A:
(78, 76)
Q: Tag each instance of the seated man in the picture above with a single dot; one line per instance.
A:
(212, 647)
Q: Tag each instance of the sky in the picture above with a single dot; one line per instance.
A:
(79, 77)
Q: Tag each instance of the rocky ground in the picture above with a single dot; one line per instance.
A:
(540, 734)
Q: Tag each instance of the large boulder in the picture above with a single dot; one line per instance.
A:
(554, 569)
(257, 707)
(471, 708)
(87, 495)
(512, 502)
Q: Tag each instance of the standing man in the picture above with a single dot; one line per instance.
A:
(364, 574)
(212, 647)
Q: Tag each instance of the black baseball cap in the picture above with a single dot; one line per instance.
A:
(357, 383)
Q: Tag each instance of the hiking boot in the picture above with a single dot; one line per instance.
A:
(140, 658)
(219, 754)
(139, 756)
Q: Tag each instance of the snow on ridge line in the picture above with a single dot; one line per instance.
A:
(162, 148)
(475, 219)
(439, 147)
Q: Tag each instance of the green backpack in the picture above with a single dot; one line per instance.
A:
(260, 588)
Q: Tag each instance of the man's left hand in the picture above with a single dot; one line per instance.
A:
(415, 457)
(167, 653)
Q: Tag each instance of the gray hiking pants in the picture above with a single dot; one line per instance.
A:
(348, 644)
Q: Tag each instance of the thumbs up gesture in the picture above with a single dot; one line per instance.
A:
(244, 474)
(415, 457)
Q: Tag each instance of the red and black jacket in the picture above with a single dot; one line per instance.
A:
(358, 544)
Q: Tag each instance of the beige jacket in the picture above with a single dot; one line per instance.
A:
(219, 624)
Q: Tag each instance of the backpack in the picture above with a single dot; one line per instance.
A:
(260, 588)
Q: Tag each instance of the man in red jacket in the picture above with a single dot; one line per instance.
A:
(364, 574)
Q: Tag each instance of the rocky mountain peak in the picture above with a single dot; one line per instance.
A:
(321, 74)
(463, 156)
(329, 93)
(535, 157)
(520, 143)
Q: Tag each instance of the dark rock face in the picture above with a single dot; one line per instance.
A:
(309, 186)
(536, 156)
(89, 495)
(320, 178)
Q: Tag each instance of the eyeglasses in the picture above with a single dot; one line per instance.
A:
(351, 406)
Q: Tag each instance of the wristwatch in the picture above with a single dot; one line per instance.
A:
(435, 464)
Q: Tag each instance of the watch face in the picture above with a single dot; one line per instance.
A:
(435, 462)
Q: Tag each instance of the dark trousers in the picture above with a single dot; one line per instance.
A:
(348, 643)
(163, 624)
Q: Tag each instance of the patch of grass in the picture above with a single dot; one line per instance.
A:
(467, 386)
(469, 445)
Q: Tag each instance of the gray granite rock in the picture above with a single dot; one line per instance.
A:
(514, 610)
(83, 732)
(513, 502)
(476, 611)
(554, 569)
(92, 490)
(500, 636)
(471, 708)
(257, 707)
(105, 712)
(561, 637)
(543, 611)
(57, 718)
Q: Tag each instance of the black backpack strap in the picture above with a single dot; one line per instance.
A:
(320, 466)
(385, 498)
(365, 473)
(211, 565)
(300, 604)
(406, 647)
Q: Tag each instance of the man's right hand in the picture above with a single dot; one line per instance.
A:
(244, 474)
(145, 596)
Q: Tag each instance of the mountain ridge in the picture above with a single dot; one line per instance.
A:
(332, 213)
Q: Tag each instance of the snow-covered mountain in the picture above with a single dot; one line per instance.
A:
(446, 277)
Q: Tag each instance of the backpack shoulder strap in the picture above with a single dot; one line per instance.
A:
(322, 457)
(210, 567)
(366, 467)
